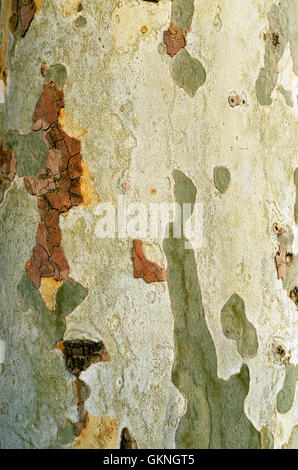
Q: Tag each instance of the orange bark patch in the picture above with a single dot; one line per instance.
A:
(147, 270)
(38, 5)
(99, 433)
(88, 190)
(48, 289)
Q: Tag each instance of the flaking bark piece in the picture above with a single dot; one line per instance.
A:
(127, 440)
(145, 269)
(81, 354)
(174, 38)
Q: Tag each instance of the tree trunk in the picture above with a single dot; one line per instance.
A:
(117, 331)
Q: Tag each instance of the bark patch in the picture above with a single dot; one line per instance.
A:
(143, 268)
(285, 397)
(187, 72)
(174, 38)
(127, 440)
(57, 186)
(81, 354)
(23, 12)
(215, 416)
(222, 178)
(8, 166)
(236, 326)
(282, 29)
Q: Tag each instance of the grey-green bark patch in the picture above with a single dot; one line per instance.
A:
(31, 152)
(66, 432)
(287, 96)
(285, 397)
(275, 42)
(3, 189)
(282, 28)
(296, 201)
(58, 73)
(236, 326)
(267, 438)
(215, 416)
(188, 73)
(69, 296)
(51, 325)
(290, 281)
(80, 21)
(293, 441)
(185, 190)
(222, 178)
(291, 7)
(182, 13)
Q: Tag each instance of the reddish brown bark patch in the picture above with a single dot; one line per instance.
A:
(57, 186)
(8, 164)
(147, 270)
(23, 12)
(82, 393)
(174, 38)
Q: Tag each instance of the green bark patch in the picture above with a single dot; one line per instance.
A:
(285, 397)
(182, 13)
(3, 188)
(81, 21)
(287, 96)
(267, 438)
(296, 201)
(291, 6)
(57, 73)
(222, 178)
(282, 28)
(69, 296)
(52, 324)
(236, 326)
(31, 152)
(188, 73)
(66, 432)
(215, 416)
(293, 441)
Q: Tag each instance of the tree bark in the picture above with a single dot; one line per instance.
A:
(113, 333)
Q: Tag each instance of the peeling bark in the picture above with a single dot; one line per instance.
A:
(143, 268)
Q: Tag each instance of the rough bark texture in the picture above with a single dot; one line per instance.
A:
(142, 342)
